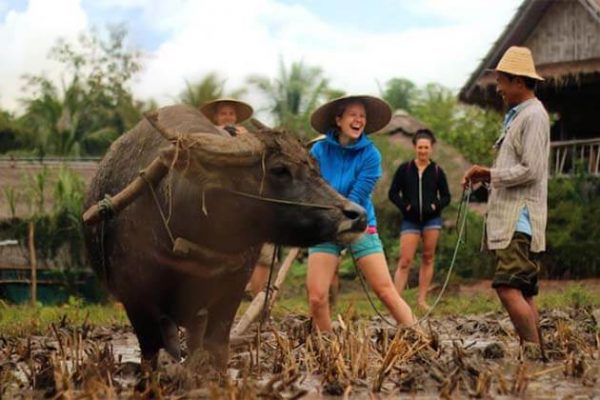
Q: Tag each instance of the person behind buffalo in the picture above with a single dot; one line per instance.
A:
(420, 191)
(227, 113)
(351, 164)
(517, 204)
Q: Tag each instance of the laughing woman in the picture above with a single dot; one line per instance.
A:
(351, 164)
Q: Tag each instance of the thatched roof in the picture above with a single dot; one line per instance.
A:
(563, 37)
(16, 175)
(402, 122)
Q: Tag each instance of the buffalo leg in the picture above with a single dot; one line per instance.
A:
(196, 329)
(148, 333)
(170, 337)
(220, 319)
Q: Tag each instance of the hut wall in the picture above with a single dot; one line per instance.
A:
(567, 32)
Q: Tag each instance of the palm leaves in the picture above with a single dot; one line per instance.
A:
(85, 115)
(294, 94)
(209, 88)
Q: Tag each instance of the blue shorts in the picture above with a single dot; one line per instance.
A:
(367, 244)
(416, 227)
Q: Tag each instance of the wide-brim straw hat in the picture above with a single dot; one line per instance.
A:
(243, 110)
(379, 113)
(518, 61)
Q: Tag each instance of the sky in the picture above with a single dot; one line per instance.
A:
(359, 44)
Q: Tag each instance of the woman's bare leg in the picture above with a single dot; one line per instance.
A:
(408, 247)
(374, 267)
(430, 239)
(321, 269)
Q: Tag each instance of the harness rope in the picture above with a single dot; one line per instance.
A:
(265, 310)
(160, 210)
(462, 213)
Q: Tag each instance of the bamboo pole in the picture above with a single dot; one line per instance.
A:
(256, 307)
(33, 263)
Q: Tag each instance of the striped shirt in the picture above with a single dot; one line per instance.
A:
(519, 177)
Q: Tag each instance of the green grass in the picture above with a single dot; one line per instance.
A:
(293, 299)
(27, 320)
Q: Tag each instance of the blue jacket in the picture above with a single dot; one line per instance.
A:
(352, 170)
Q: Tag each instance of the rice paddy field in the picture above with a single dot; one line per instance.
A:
(467, 349)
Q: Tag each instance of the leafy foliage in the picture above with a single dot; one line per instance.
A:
(209, 88)
(573, 231)
(400, 93)
(294, 94)
(57, 228)
(85, 114)
(470, 129)
(9, 132)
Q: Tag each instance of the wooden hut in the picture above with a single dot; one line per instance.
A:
(564, 37)
(24, 275)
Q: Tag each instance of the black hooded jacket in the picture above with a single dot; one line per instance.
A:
(407, 189)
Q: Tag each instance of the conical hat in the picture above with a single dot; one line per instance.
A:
(242, 110)
(378, 111)
(518, 61)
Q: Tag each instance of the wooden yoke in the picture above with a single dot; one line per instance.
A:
(151, 175)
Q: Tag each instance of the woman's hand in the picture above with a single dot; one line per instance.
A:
(433, 207)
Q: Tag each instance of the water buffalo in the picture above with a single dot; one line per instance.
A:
(213, 197)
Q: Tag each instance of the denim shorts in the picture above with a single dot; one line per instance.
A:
(367, 244)
(420, 227)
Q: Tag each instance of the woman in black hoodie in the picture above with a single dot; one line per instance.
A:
(420, 191)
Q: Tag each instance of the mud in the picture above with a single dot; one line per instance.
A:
(470, 356)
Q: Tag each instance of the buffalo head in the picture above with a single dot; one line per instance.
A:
(261, 186)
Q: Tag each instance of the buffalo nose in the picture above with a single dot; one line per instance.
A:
(356, 214)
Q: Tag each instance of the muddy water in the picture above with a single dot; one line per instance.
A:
(470, 356)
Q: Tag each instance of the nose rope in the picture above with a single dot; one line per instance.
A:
(259, 197)
(280, 201)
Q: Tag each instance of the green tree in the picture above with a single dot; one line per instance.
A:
(474, 131)
(400, 93)
(470, 129)
(209, 88)
(9, 132)
(435, 105)
(294, 94)
(84, 115)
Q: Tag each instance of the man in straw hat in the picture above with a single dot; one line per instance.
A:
(516, 216)
(227, 113)
(351, 164)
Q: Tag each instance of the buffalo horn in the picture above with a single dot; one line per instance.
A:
(242, 150)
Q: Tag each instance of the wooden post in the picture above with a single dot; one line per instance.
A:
(33, 263)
